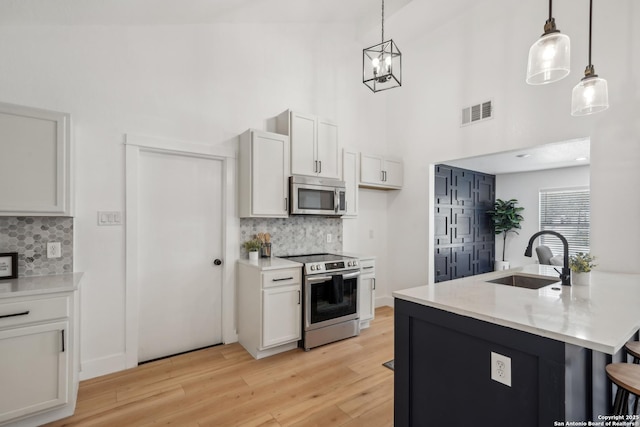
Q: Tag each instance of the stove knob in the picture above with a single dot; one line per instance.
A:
(313, 267)
(355, 263)
(349, 264)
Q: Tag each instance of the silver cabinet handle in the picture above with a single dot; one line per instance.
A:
(286, 204)
(280, 280)
(299, 298)
(315, 166)
(374, 283)
(320, 170)
(367, 268)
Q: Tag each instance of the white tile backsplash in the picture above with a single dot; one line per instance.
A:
(295, 235)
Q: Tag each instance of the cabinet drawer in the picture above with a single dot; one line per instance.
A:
(368, 266)
(287, 276)
(18, 313)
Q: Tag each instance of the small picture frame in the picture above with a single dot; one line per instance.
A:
(9, 265)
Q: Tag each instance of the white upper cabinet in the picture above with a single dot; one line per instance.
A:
(263, 175)
(35, 164)
(350, 175)
(314, 144)
(380, 172)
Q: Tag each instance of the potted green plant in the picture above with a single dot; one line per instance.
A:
(581, 265)
(252, 247)
(506, 219)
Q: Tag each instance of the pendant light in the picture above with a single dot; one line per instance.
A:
(382, 64)
(591, 94)
(549, 56)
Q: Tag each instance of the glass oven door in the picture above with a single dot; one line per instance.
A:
(331, 299)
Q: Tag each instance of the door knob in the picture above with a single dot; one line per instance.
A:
(217, 261)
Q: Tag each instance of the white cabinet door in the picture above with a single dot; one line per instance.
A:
(34, 369)
(350, 173)
(314, 144)
(370, 169)
(270, 175)
(281, 315)
(393, 172)
(263, 175)
(380, 172)
(303, 144)
(367, 291)
(35, 162)
(328, 150)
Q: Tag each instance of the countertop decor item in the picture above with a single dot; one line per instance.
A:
(9, 265)
(549, 56)
(506, 218)
(591, 94)
(252, 247)
(382, 64)
(581, 265)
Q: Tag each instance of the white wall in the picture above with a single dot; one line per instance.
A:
(199, 83)
(208, 83)
(525, 187)
(483, 55)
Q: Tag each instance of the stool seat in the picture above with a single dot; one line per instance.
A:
(633, 348)
(625, 375)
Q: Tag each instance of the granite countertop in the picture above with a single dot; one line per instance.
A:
(36, 285)
(273, 263)
(602, 316)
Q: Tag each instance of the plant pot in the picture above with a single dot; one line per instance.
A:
(253, 256)
(580, 278)
(501, 265)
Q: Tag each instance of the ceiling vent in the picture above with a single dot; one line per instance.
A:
(477, 113)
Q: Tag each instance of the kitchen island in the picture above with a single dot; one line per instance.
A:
(557, 340)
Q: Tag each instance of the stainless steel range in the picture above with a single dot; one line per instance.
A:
(330, 310)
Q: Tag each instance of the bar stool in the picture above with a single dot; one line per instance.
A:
(627, 377)
(633, 348)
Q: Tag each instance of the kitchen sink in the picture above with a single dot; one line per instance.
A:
(522, 281)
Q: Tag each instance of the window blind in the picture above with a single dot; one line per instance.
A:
(568, 213)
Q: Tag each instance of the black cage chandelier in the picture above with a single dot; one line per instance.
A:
(382, 64)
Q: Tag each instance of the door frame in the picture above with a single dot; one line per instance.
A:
(134, 145)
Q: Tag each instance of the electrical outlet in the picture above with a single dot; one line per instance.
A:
(329, 237)
(501, 368)
(54, 250)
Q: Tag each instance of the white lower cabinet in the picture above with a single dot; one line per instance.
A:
(269, 308)
(39, 358)
(367, 292)
(34, 369)
(281, 315)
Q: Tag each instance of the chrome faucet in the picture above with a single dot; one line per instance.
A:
(565, 275)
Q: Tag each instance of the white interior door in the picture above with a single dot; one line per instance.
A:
(180, 234)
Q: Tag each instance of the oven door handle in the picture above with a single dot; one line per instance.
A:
(318, 279)
(351, 275)
(327, 278)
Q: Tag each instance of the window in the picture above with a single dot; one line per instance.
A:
(567, 212)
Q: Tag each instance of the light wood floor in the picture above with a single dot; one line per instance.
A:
(340, 384)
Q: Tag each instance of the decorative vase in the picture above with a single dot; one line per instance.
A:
(253, 255)
(501, 265)
(580, 278)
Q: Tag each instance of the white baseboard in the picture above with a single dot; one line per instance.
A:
(102, 366)
(384, 300)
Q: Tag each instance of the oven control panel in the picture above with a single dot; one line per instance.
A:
(331, 266)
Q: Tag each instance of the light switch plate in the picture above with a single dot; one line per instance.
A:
(109, 218)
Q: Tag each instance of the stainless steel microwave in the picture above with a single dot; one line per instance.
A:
(317, 196)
